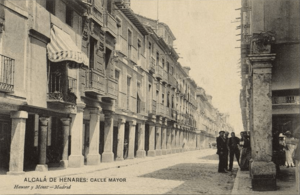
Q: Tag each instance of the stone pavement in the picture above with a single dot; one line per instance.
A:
(173, 173)
(286, 183)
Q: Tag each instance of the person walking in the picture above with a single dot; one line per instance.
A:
(245, 152)
(227, 150)
(233, 144)
(289, 149)
(221, 149)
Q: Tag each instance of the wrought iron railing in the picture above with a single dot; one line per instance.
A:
(286, 100)
(62, 88)
(7, 66)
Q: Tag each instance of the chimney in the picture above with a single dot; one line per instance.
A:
(186, 69)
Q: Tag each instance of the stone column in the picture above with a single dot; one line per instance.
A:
(263, 170)
(120, 145)
(93, 157)
(108, 155)
(158, 139)
(132, 125)
(151, 151)
(18, 128)
(169, 138)
(42, 166)
(141, 141)
(181, 139)
(173, 140)
(178, 140)
(66, 129)
(76, 158)
(164, 137)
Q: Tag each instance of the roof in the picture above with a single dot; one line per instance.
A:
(132, 17)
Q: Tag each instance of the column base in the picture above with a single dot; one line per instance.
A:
(177, 150)
(93, 159)
(107, 157)
(173, 150)
(164, 152)
(263, 176)
(119, 159)
(158, 152)
(76, 161)
(15, 173)
(41, 168)
(151, 153)
(169, 151)
(64, 164)
(140, 154)
(130, 156)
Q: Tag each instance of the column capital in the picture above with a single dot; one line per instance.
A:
(44, 121)
(108, 113)
(132, 123)
(95, 110)
(159, 120)
(19, 114)
(80, 106)
(261, 57)
(66, 121)
(121, 120)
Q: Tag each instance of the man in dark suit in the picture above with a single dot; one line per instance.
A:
(233, 143)
(221, 151)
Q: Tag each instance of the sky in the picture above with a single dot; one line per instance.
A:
(205, 32)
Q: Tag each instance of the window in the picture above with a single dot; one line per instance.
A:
(163, 63)
(129, 41)
(93, 44)
(157, 58)
(172, 70)
(168, 100)
(128, 92)
(139, 48)
(50, 6)
(117, 77)
(69, 15)
(138, 99)
(162, 99)
(168, 67)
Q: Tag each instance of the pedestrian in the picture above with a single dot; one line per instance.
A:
(296, 134)
(227, 150)
(233, 144)
(125, 149)
(221, 148)
(289, 149)
(245, 152)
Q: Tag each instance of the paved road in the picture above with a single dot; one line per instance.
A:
(193, 172)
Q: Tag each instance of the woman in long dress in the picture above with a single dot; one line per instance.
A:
(289, 149)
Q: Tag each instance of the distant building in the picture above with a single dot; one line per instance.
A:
(270, 67)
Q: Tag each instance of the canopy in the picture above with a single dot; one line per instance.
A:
(62, 48)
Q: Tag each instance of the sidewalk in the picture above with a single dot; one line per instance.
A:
(286, 184)
(60, 172)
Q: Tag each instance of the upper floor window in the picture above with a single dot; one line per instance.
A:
(157, 57)
(69, 16)
(129, 41)
(50, 6)
(163, 63)
(139, 48)
(168, 67)
(172, 70)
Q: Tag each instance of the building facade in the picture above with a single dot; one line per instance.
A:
(270, 70)
(85, 82)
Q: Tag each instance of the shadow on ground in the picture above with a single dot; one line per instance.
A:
(214, 157)
(199, 178)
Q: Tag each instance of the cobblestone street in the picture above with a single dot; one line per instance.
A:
(193, 172)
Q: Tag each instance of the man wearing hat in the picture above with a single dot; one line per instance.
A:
(221, 151)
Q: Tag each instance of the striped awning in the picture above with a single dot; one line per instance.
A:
(62, 48)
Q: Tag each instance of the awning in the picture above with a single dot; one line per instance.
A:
(62, 48)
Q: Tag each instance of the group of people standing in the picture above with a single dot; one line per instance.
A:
(233, 146)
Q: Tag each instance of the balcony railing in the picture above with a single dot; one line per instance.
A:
(159, 72)
(95, 82)
(286, 100)
(62, 89)
(110, 24)
(7, 66)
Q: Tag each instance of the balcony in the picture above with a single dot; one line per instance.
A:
(286, 100)
(172, 81)
(153, 110)
(110, 24)
(7, 66)
(95, 82)
(159, 72)
(62, 89)
(152, 65)
(111, 89)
